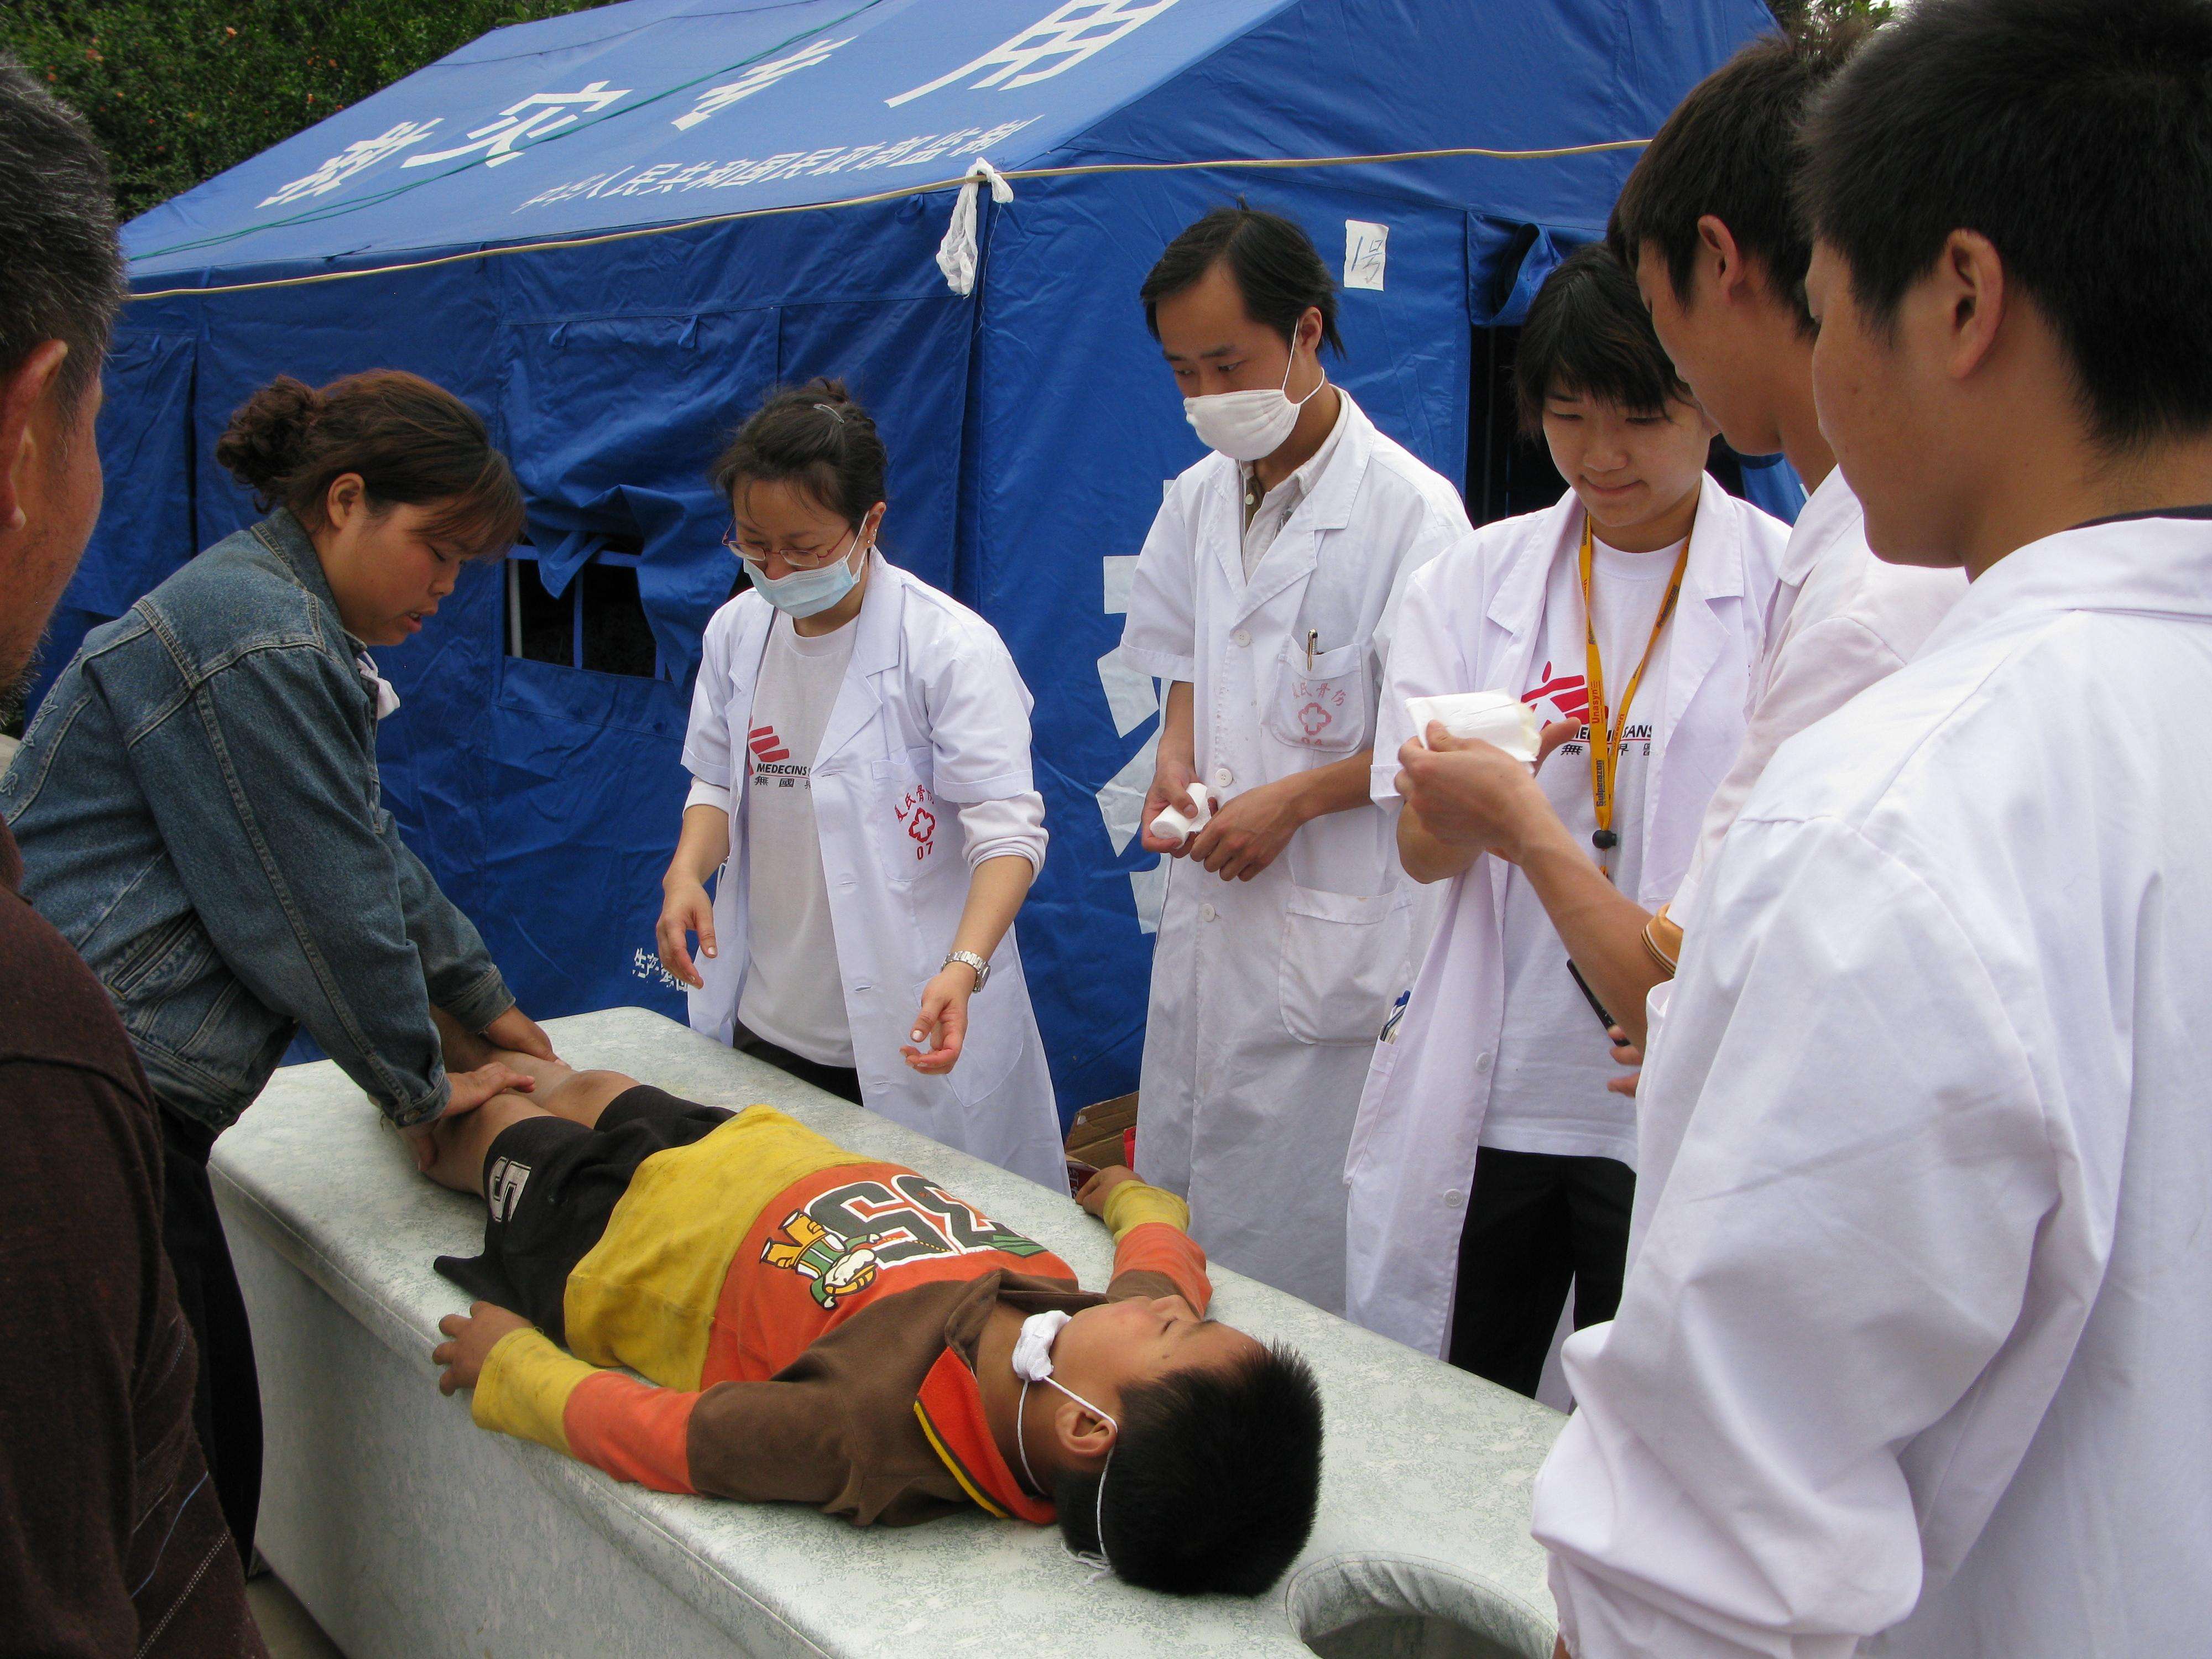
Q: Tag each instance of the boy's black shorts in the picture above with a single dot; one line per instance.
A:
(550, 1186)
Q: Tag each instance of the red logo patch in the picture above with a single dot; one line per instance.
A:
(1314, 719)
(766, 745)
(1568, 692)
(921, 823)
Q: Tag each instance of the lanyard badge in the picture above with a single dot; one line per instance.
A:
(1606, 729)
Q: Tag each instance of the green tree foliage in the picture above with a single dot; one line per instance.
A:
(1789, 13)
(178, 90)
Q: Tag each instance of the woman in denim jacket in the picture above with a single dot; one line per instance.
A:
(199, 810)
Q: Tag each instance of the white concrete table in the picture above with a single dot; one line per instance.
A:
(410, 1532)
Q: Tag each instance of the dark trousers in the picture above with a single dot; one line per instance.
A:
(842, 1081)
(1535, 1221)
(226, 1401)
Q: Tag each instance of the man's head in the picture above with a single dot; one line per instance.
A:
(1241, 301)
(2010, 201)
(1593, 383)
(1215, 1445)
(1707, 223)
(61, 279)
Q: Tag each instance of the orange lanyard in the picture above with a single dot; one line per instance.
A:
(1606, 730)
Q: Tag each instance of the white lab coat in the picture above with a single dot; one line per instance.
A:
(1268, 995)
(932, 716)
(1481, 607)
(1841, 621)
(1917, 1324)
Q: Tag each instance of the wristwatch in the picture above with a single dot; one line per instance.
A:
(983, 967)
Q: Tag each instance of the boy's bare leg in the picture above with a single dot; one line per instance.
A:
(465, 1051)
(462, 1141)
(580, 1096)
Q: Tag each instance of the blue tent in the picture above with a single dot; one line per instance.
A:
(613, 232)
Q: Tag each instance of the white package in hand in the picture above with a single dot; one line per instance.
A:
(1174, 825)
(1495, 717)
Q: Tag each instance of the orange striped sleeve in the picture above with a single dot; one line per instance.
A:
(1159, 1246)
(632, 1430)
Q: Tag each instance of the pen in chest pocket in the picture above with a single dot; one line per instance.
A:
(1312, 635)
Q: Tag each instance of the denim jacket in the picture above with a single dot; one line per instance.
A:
(198, 810)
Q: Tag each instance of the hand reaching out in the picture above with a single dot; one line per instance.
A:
(685, 910)
(1093, 1196)
(942, 1021)
(472, 1336)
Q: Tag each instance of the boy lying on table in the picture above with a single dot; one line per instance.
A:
(829, 1329)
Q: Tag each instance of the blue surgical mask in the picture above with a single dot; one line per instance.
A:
(807, 592)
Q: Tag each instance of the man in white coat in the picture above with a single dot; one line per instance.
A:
(1913, 1355)
(1706, 222)
(1264, 597)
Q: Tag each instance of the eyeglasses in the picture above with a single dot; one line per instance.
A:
(798, 558)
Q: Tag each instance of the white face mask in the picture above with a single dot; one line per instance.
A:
(1248, 426)
(1032, 1362)
(808, 593)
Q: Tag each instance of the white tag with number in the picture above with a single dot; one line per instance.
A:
(1364, 248)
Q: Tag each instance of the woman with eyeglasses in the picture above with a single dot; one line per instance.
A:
(843, 709)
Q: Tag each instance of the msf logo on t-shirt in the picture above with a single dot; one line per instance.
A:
(1569, 697)
(1568, 694)
(771, 759)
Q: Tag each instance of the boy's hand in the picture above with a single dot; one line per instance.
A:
(1093, 1196)
(474, 1334)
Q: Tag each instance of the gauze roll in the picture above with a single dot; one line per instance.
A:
(1495, 717)
(1174, 824)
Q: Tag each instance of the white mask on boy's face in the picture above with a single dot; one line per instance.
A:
(1032, 1362)
(1248, 426)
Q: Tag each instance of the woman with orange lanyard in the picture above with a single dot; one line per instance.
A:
(1490, 1166)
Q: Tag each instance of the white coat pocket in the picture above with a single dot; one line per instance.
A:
(1344, 961)
(713, 1006)
(908, 820)
(1374, 1091)
(1322, 709)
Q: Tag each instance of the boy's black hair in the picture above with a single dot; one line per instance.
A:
(1730, 148)
(1587, 333)
(2076, 135)
(1213, 1481)
(1271, 260)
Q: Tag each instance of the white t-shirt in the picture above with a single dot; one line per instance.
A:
(794, 995)
(1553, 1056)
